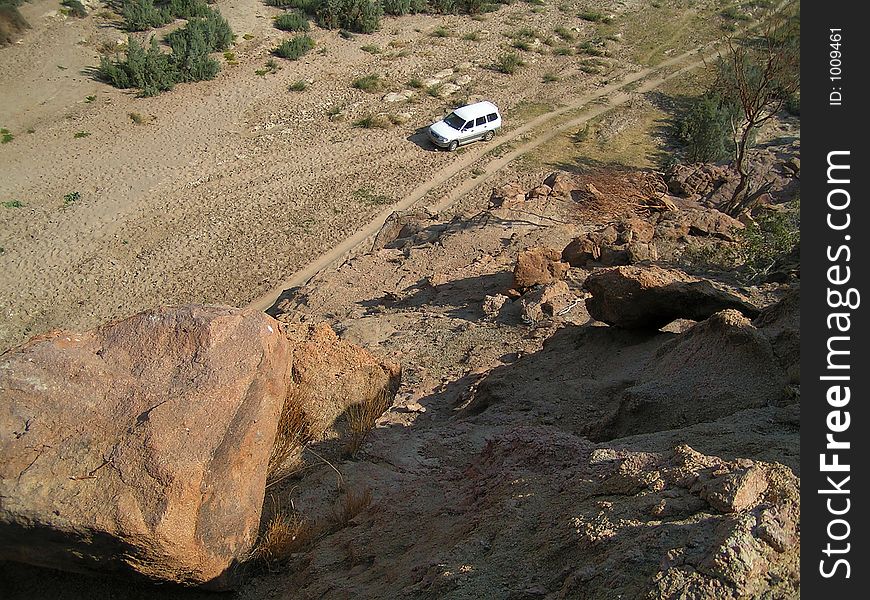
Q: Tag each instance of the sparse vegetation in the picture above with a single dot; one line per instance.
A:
(137, 118)
(550, 77)
(366, 196)
(766, 241)
(141, 15)
(440, 32)
(285, 535)
(508, 63)
(358, 16)
(71, 198)
(595, 16)
(153, 71)
(564, 33)
(6, 136)
(371, 121)
(369, 83)
(13, 204)
(735, 14)
(371, 48)
(472, 36)
(298, 86)
(294, 48)
(81, 134)
(292, 21)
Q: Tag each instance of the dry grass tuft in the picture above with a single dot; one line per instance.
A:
(292, 435)
(349, 505)
(361, 419)
(284, 536)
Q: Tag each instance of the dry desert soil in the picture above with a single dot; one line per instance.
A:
(223, 191)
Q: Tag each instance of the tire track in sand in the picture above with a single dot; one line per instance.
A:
(614, 94)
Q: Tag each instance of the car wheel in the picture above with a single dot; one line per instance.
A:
(487, 137)
(453, 146)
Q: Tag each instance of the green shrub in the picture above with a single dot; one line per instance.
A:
(508, 63)
(359, 16)
(192, 43)
(444, 7)
(294, 48)
(705, 129)
(140, 15)
(6, 136)
(151, 71)
(298, 86)
(564, 33)
(369, 83)
(772, 237)
(595, 16)
(292, 21)
(397, 7)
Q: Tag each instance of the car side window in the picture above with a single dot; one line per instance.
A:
(492, 117)
(480, 121)
(468, 126)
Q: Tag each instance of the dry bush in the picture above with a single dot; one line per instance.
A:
(351, 503)
(284, 535)
(361, 419)
(292, 435)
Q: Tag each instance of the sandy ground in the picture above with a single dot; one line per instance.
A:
(230, 186)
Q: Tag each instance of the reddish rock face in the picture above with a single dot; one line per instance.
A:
(141, 445)
(538, 266)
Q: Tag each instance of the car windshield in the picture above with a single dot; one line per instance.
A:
(455, 121)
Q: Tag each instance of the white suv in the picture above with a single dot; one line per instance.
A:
(467, 124)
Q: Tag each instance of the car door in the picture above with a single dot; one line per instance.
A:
(467, 133)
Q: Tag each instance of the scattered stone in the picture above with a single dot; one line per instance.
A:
(447, 89)
(541, 191)
(544, 301)
(538, 266)
(735, 491)
(492, 305)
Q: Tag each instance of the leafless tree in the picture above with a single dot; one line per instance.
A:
(762, 73)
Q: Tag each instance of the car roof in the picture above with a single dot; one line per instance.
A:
(477, 109)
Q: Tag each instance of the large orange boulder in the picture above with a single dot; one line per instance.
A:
(141, 445)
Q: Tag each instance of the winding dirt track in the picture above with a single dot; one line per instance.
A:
(532, 134)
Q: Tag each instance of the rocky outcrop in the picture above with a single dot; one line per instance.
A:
(775, 169)
(141, 445)
(651, 297)
(407, 227)
(538, 266)
(661, 236)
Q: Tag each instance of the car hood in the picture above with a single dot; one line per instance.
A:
(444, 130)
